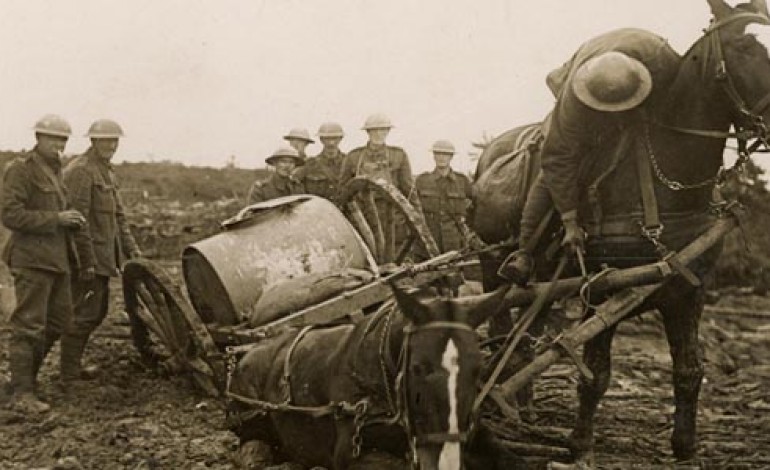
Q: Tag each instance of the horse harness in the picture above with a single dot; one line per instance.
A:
(360, 411)
(756, 128)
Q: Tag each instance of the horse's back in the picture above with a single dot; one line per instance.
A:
(504, 174)
(289, 369)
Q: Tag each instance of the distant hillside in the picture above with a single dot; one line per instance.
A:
(177, 182)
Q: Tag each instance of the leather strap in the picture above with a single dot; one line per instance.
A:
(649, 202)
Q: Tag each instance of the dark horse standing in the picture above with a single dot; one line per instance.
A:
(723, 80)
(401, 380)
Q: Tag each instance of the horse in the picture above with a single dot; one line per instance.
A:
(402, 380)
(722, 80)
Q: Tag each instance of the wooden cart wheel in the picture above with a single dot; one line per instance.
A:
(388, 223)
(166, 329)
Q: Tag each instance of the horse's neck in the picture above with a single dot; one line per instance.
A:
(694, 101)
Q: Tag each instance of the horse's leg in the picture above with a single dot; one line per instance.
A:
(596, 355)
(681, 312)
(343, 446)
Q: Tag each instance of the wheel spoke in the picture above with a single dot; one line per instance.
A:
(362, 226)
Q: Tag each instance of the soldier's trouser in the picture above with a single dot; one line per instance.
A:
(43, 311)
(91, 305)
(91, 300)
(538, 204)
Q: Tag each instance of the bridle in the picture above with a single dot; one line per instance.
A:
(402, 414)
(753, 125)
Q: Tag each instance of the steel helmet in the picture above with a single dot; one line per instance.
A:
(285, 151)
(377, 121)
(443, 146)
(53, 124)
(612, 82)
(104, 129)
(300, 134)
(330, 129)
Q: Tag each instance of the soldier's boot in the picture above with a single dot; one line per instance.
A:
(72, 348)
(21, 356)
(39, 354)
(517, 267)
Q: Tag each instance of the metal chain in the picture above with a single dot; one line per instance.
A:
(672, 184)
(359, 421)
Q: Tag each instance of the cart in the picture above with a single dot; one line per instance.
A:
(261, 247)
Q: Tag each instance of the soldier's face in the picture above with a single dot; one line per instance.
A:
(378, 136)
(50, 146)
(331, 142)
(105, 148)
(298, 144)
(284, 166)
(442, 159)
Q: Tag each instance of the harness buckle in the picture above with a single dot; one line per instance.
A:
(653, 233)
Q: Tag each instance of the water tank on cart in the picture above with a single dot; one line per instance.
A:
(265, 244)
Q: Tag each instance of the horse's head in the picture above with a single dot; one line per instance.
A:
(742, 63)
(441, 364)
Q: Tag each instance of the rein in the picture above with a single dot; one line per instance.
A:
(757, 128)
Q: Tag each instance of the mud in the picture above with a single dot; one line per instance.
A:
(136, 418)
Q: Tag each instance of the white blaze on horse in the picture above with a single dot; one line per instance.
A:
(723, 80)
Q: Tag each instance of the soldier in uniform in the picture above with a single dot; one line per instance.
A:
(281, 182)
(379, 160)
(40, 254)
(103, 243)
(321, 174)
(299, 139)
(445, 195)
(601, 91)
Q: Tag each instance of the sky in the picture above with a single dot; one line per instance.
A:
(200, 81)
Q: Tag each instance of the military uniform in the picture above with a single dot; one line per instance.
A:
(574, 128)
(382, 161)
(102, 244)
(272, 187)
(321, 175)
(445, 200)
(40, 254)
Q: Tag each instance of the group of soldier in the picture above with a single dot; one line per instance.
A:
(443, 195)
(68, 237)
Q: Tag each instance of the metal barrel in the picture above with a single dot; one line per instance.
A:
(265, 244)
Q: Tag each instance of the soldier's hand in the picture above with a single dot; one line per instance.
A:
(71, 219)
(87, 274)
(574, 236)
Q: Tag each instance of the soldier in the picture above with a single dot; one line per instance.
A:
(40, 253)
(321, 174)
(281, 182)
(445, 195)
(601, 92)
(378, 160)
(103, 243)
(299, 139)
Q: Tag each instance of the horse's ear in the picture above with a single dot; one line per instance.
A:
(408, 300)
(719, 8)
(480, 307)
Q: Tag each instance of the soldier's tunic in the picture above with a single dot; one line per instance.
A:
(272, 187)
(445, 200)
(104, 243)
(381, 161)
(40, 254)
(321, 174)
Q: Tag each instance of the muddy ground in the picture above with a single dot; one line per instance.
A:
(134, 418)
